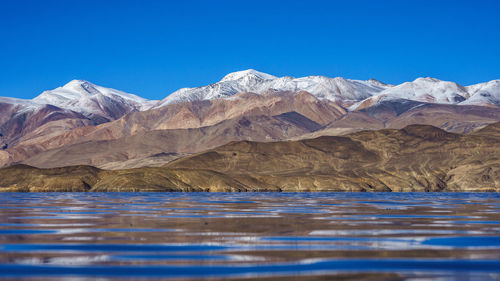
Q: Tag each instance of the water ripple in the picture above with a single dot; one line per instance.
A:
(449, 236)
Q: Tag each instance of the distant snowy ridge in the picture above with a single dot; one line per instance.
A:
(89, 99)
(334, 89)
(354, 94)
(86, 98)
(427, 89)
(484, 94)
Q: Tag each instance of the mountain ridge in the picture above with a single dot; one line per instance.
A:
(74, 94)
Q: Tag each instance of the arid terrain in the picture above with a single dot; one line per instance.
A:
(415, 158)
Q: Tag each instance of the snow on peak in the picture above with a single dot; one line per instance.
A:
(87, 98)
(426, 80)
(378, 83)
(335, 89)
(77, 85)
(246, 74)
(484, 94)
(426, 89)
(76, 82)
(16, 101)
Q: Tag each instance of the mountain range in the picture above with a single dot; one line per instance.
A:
(81, 123)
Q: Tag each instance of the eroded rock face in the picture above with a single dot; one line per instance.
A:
(415, 158)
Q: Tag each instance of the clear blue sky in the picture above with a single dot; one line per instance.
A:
(152, 48)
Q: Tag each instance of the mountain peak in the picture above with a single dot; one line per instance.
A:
(245, 73)
(426, 80)
(76, 82)
(89, 99)
(79, 85)
(378, 83)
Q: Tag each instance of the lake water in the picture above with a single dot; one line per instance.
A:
(245, 236)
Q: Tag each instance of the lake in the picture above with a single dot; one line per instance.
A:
(248, 236)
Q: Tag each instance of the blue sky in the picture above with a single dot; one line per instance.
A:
(152, 48)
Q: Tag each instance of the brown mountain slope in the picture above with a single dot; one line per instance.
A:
(186, 115)
(310, 116)
(17, 121)
(416, 158)
(401, 113)
(20, 123)
(23, 178)
(157, 147)
(492, 131)
(456, 119)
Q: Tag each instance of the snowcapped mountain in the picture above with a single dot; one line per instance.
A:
(250, 74)
(89, 99)
(21, 117)
(428, 90)
(354, 94)
(345, 91)
(484, 94)
(9, 107)
(231, 84)
(76, 104)
(94, 101)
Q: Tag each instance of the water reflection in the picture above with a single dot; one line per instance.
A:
(272, 235)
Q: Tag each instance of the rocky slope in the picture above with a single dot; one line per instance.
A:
(184, 128)
(415, 158)
(282, 115)
(157, 147)
(21, 117)
(397, 114)
(77, 104)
